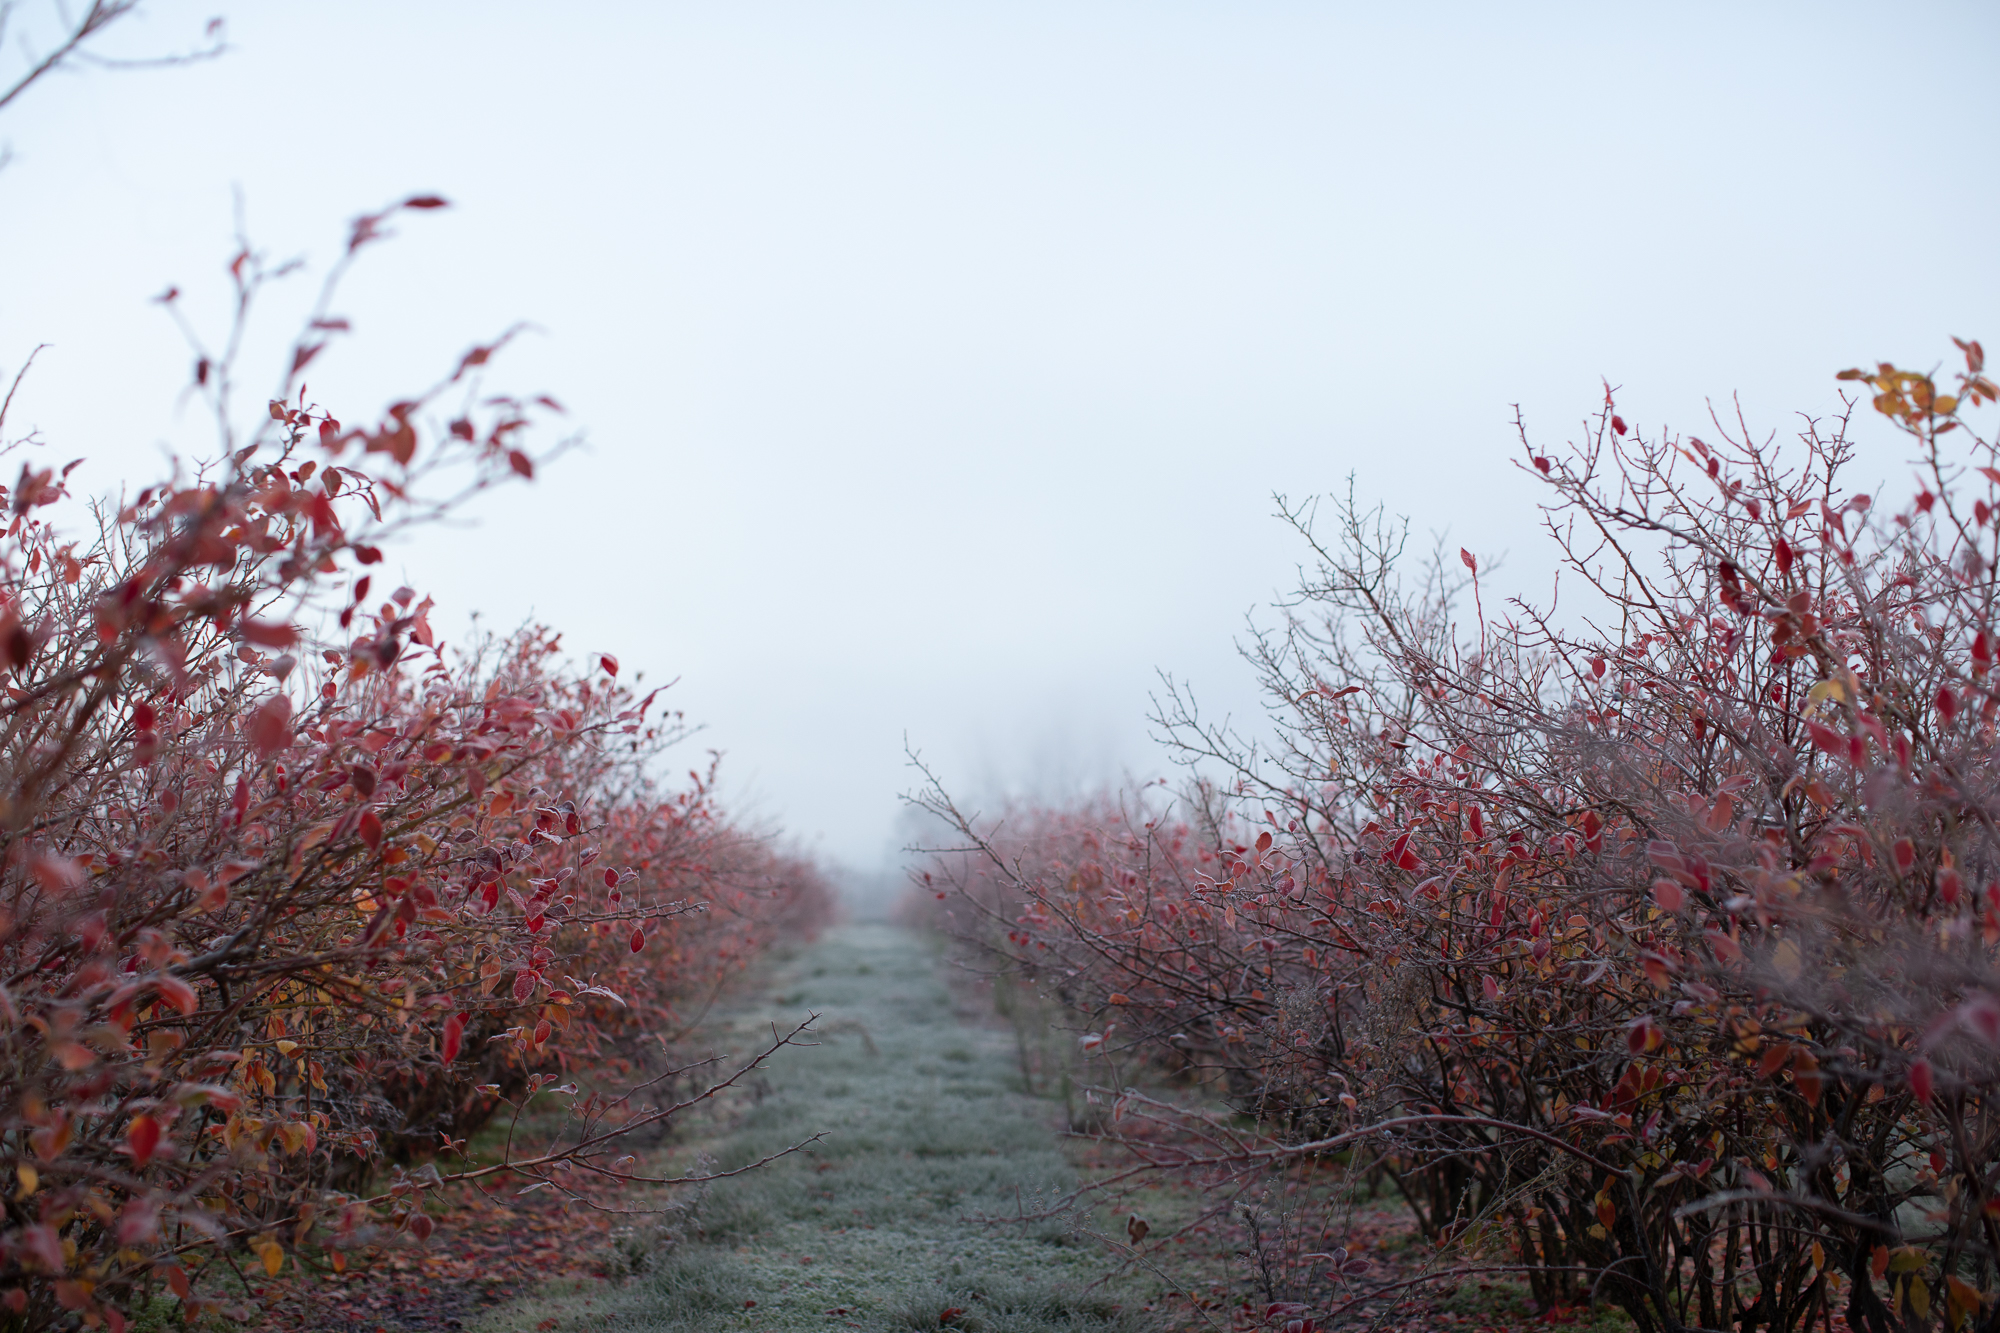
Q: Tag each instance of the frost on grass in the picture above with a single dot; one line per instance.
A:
(877, 1229)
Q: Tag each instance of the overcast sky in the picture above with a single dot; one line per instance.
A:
(939, 360)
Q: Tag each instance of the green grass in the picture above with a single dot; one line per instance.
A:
(877, 1226)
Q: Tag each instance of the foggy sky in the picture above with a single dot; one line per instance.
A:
(938, 362)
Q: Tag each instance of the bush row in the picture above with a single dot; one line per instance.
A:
(1650, 933)
(290, 892)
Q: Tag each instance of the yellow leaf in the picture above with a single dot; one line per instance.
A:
(1818, 1256)
(287, 1047)
(273, 1256)
(1786, 959)
(31, 1180)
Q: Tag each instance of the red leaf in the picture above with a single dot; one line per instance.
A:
(271, 726)
(370, 829)
(73, 1055)
(1827, 739)
(267, 635)
(426, 201)
(638, 939)
(209, 897)
(40, 1248)
(1949, 885)
(1921, 1080)
(142, 1139)
(609, 663)
(521, 463)
(398, 441)
(55, 874)
(1618, 423)
(176, 993)
(139, 1222)
(1466, 558)
(524, 986)
(454, 1036)
(1644, 1035)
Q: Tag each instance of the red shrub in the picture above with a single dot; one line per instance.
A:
(1666, 952)
(272, 905)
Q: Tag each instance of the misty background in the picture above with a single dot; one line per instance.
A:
(938, 362)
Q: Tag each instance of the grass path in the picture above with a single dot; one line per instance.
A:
(874, 1227)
